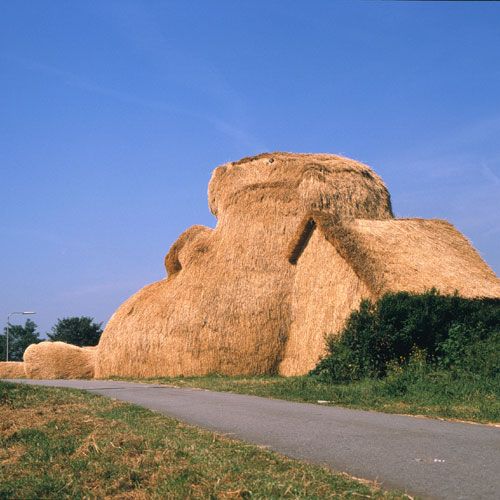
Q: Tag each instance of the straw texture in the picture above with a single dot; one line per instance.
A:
(418, 254)
(53, 360)
(402, 254)
(325, 290)
(12, 369)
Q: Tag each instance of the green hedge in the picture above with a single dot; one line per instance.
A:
(446, 332)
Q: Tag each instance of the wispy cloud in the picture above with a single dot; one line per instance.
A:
(230, 128)
(240, 135)
(72, 80)
(490, 175)
(476, 131)
(138, 26)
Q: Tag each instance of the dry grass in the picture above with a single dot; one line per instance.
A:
(56, 443)
(53, 360)
(12, 369)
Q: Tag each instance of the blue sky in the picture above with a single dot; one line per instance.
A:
(113, 115)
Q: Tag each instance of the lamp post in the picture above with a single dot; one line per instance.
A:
(8, 329)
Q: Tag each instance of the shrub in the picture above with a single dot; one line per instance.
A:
(448, 331)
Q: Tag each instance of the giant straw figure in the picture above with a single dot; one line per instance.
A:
(300, 240)
(225, 305)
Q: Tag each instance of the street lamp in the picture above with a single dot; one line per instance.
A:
(8, 329)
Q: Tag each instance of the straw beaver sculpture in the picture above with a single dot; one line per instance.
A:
(258, 293)
(225, 306)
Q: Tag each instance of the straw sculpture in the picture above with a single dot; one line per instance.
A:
(300, 240)
(12, 369)
(225, 306)
(53, 360)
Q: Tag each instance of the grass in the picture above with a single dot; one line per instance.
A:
(435, 394)
(420, 354)
(61, 443)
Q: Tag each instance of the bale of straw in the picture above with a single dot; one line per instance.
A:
(58, 360)
(12, 369)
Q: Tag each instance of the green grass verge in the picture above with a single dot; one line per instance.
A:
(61, 443)
(434, 394)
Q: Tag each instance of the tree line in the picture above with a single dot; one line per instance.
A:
(78, 330)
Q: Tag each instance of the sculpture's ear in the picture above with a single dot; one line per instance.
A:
(214, 189)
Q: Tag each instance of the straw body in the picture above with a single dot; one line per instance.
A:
(54, 360)
(300, 240)
(12, 369)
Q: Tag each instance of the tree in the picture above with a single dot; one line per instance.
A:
(20, 337)
(77, 330)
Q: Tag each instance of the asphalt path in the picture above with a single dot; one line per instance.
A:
(424, 457)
